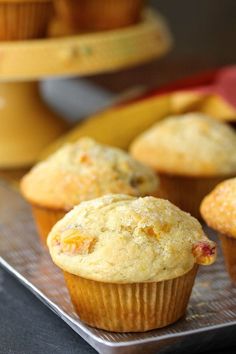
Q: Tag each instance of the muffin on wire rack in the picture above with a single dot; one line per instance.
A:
(192, 153)
(82, 171)
(129, 263)
(219, 211)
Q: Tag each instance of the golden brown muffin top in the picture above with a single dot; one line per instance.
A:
(191, 144)
(123, 239)
(218, 208)
(86, 170)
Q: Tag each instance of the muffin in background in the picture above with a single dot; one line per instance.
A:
(82, 171)
(93, 15)
(129, 263)
(24, 19)
(192, 153)
(218, 209)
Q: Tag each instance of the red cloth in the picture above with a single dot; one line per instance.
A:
(220, 82)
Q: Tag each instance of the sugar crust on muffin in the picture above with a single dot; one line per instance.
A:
(123, 239)
(219, 208)
(86, 170)
(192, 144)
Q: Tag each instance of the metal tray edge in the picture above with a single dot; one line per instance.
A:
(92, 339)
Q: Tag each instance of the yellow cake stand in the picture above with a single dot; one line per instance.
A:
(26, 123)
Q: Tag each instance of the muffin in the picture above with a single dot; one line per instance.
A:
(24, 19)
(192, 153)
(82, 171)
(218, 209)
(92, 15)
(129, 262)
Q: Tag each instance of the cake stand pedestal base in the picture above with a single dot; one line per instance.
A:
(27, 125)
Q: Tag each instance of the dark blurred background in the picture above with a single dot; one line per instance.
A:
(204, 34)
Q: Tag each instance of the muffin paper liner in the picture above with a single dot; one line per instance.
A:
(99, 15)
(45, 219)
(136, 307)
(187, 192)
(24, 19)
(229, 250)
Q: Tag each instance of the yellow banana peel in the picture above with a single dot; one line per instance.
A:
(120, 125)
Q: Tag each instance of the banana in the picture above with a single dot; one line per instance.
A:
(117, 126)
